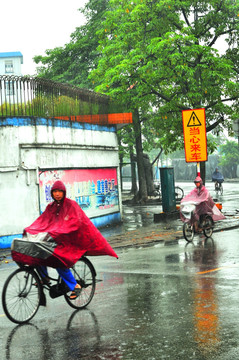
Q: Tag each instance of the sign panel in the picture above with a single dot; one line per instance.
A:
(95, 190)
(195, 140)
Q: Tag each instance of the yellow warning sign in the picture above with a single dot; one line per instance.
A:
(195, 139)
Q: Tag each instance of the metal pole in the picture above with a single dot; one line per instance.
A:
(198, 169)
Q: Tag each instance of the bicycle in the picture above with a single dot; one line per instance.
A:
(205, 225)
(178, 192)
(219, 187)
(23, 291)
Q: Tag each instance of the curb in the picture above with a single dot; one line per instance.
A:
(168, 238)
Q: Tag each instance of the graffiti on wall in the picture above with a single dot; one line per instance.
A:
(95, 190)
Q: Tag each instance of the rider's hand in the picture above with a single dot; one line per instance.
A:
(47, 237)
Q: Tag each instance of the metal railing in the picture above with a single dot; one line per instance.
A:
(33, 96)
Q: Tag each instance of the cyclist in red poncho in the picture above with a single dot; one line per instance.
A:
(203, 201)
(73, 234)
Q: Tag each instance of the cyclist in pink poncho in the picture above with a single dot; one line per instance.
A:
(204, 203)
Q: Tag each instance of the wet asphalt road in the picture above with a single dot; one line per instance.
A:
(161, 302)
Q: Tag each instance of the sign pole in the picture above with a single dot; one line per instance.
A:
(198, 169)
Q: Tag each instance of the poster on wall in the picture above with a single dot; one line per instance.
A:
(95, 190)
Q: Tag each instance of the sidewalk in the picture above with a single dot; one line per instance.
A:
(168, 230)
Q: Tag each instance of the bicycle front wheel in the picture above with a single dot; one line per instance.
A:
(84, 274)
(188, 232)
(21, 295)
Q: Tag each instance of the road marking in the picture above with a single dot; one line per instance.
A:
(208, 271)
(216, 269)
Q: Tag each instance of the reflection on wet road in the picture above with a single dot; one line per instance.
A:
(162, 302)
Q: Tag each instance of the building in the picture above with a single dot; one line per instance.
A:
(10, 66)
(10, 63)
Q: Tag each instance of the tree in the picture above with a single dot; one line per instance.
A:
(73, 62)
(230, 157)
(163, 56)
(127, 92)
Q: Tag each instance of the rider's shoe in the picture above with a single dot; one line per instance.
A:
(76, 292)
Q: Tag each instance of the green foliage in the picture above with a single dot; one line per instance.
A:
(213, 142)
(159, 57)
(126, 141)
(230, 154)
(50, 106)
(163, 55)
(30, 108)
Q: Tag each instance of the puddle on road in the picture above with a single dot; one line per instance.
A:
(136, 217)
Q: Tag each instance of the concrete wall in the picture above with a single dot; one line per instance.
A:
(30, 144)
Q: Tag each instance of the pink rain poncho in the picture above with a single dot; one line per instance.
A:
(204, 203)
(60, 236)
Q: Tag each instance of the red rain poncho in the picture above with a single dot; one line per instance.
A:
(203, 201)
(71, 234)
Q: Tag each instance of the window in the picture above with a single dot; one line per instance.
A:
(9, 67)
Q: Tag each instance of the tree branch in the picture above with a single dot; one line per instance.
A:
(214, 125)
(222, 100)
(158, 156)
(185, 17)
(217, 36)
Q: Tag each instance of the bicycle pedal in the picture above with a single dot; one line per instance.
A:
(42, 299)
(55, 291)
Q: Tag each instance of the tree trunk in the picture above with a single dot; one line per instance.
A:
(134, 187)
(121, 162)
(149, 175)
(142, 194)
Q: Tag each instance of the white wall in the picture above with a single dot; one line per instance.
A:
(25, 147)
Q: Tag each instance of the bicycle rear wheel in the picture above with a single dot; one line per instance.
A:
(21, 295)
(179, 193)
(188, 232)
(84, 274)
(208, 226)
(221, 189)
